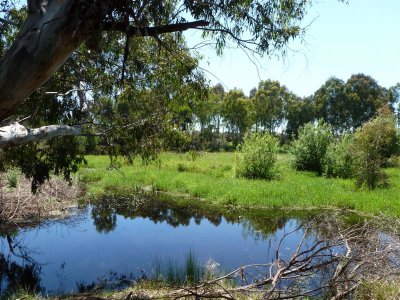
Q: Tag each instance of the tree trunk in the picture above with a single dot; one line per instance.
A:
(45, 41)
(50, 34)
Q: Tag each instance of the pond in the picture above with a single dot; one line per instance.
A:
(128, 238)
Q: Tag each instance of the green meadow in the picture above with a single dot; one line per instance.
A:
(211, 178)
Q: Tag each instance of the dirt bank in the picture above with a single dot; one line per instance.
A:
(19, 205)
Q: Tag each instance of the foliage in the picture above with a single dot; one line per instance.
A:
(332, 105)
(383, 289)
(12, 180)
(338, 160)
(208, 114)
(347, 105)
(375, 142)
(256, 156)
(298, 112)
(236, 112)
(269, 101)
(61, 155)
(365, 96)
(135, 96)
(136, 117)
(310, 148)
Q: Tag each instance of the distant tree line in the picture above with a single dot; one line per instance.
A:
(220, 119)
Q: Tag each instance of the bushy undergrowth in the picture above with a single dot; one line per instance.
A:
(256, 157)
(338, 159)
(375, 142)
(362, 155)
(311, 146)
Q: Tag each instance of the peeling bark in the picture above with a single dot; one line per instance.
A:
(50, 34)
(45, 41)
(17, 134)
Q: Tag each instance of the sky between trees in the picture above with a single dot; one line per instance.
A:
(362, 36)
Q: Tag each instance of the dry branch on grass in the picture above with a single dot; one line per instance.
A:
(18, 204)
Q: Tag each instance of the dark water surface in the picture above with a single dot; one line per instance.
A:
(128, 236)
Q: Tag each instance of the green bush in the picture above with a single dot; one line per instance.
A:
(182, 168)
(311, 146)
(375, 142)
(12, 180)
(338, 159)
(393, 161)
(256, 156)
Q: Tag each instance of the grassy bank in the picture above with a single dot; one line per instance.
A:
(158, 290)
(211, 176)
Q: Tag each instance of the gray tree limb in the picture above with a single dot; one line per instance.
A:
(17, 134)
(9, 22)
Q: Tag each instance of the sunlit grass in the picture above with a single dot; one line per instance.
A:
(211, 177)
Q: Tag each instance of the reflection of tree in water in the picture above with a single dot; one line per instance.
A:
(104, 217)
(104, 212)
(256, 224)
(17, 269)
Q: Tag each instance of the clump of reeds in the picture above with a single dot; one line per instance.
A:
(174, 273)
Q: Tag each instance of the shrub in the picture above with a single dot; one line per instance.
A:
(338, 159)
(256, 156)
(393, 161)
(182, 168)
(375, 142)
(310, 148)
(12, 180)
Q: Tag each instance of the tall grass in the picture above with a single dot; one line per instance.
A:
(211, 177)
(174, 273)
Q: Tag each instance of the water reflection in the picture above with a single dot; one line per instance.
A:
(256, 224)
(120, 238)
(18, 270)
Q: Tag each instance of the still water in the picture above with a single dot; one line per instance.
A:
(128, 236)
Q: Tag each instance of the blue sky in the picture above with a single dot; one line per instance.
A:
(362, 36)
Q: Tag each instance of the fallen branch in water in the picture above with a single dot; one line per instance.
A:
(333, 265)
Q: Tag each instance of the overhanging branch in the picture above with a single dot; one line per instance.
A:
(9, 22)
(17, 134)
(153, 31)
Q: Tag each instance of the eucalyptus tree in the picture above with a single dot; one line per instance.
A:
(299, 111)
(347, 105)
(332, 104)
(207, 111)
(236, 111)
(365, 96)
(217, 94)
(269, 103)
(66, 63)
(394, 99)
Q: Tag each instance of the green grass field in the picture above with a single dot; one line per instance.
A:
(211, 177)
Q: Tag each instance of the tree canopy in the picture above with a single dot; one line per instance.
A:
(115, 70)
(50, 31)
